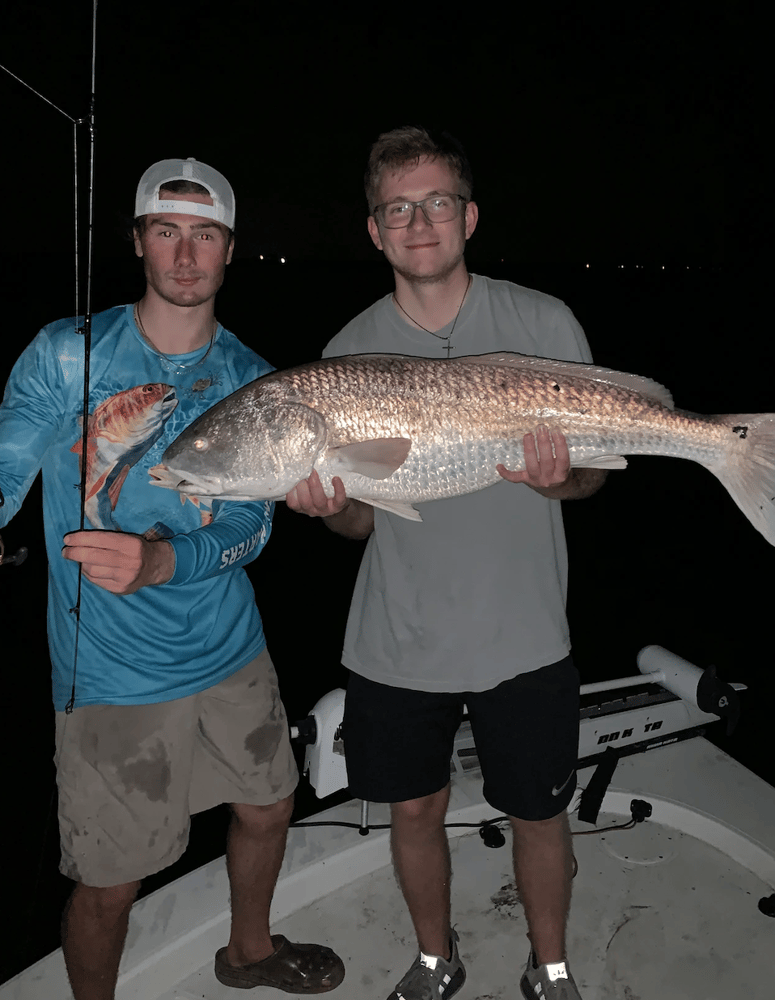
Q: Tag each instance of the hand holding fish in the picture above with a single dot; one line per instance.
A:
(343, 514)
(548, 468)
(547, 460)
(118, 562)
(308, 497)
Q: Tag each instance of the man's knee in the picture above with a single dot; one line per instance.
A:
(428, 810)
(530, 827)
(103, 902)
(260, 819)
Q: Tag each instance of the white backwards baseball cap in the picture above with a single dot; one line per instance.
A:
(147, 200)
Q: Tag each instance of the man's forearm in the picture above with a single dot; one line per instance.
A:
(355, 520)
(581, 483)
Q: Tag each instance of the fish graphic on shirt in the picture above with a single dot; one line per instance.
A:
(162, 530)
(119, 432)
(204, 506)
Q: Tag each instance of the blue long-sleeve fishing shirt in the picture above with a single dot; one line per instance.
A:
(162, 642)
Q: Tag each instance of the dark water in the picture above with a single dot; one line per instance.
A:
(661, 555)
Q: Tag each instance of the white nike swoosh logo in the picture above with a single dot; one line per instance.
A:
(558, 788)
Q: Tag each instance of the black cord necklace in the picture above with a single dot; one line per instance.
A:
(172, 365)
(448, 337)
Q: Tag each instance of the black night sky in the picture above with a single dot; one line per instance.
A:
(623, 137)
(594, 135)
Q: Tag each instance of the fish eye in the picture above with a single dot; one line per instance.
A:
(201, 444)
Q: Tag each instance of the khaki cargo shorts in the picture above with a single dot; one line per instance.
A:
(130, 776)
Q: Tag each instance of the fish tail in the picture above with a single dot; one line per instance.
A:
(747, 469)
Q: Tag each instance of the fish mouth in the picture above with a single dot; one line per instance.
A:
(172, 479)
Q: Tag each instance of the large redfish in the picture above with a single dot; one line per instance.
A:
(403, 430)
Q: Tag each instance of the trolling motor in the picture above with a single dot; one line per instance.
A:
(703, 698)
(636, 723)
(607, 732)
(696, 686)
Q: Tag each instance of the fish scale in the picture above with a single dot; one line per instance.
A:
(403, 430)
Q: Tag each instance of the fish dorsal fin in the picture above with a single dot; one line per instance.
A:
(576, 369)
(376, 459)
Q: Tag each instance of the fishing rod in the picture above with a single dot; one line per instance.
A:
(83, 326)
(85, 322)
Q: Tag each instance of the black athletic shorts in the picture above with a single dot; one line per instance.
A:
(398, 743)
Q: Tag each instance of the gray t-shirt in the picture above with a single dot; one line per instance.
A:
(475, 593)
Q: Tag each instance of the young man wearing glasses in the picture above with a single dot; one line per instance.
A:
(466, 608)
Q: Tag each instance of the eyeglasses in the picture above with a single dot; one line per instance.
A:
(437, 208)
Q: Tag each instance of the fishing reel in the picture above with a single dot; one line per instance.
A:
(16, 559)
(19, 556)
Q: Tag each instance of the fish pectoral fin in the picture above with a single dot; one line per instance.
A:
(397, 507)
(602, 462)
(115, 487)
(376, 459)
(97, 484)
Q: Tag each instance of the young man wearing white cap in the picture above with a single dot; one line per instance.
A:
(171, 705)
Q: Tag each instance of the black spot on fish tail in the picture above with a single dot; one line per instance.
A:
(556, 387)
(741, 431)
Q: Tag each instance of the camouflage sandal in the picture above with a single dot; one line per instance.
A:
(294, 968)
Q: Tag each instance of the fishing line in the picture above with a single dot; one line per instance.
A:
(85, 328)
(37, 92)
(75, 126)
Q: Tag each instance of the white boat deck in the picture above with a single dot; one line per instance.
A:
(666, 911)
